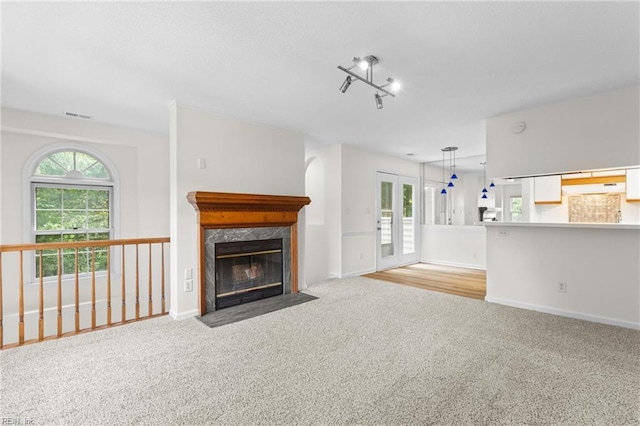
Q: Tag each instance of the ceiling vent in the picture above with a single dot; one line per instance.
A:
(76, 115)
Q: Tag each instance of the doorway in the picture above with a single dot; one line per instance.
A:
(397, 237)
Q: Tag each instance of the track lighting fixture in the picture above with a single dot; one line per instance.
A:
(378, 101)
(346, 84)
(366, 65)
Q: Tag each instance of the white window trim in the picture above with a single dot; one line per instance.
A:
(28, 216)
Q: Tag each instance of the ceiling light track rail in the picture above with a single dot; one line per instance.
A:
(370, 83)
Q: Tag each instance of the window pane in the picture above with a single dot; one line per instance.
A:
(74, 199)
(48, 238)
(407, 200)
(96, 171)
(98, 200)
(84, 161)
(101, 260)
(68, 264)
(98, 220)
(97, 236)
(49, 265)
(65, 159)
(47, 220)
(48, 198)
(48, 167)
(74, 219)
(69, 238)
(386, 195)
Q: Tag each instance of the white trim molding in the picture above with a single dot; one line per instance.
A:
(563, 313)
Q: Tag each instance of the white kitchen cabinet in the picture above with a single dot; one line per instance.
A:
(633, 184)
(547, 189)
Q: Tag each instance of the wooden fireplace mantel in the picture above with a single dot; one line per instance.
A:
(232, 210)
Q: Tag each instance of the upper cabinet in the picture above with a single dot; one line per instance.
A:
(633, 185)
(547, 189)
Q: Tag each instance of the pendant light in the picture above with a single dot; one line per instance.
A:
(453, 175)
(484, 180)
(444, 191)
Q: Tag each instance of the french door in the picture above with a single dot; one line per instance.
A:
(397, 221)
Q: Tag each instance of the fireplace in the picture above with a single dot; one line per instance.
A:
(247, 246)
(247, 270)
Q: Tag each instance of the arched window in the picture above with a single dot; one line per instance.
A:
(72, 200)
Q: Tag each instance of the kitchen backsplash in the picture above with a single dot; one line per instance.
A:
(594, 208)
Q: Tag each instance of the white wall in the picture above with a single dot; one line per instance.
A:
(240, 157)
(316, 249)
(463, 246)
(600, 267)
(593, 132)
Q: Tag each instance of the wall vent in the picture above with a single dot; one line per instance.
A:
(76, 115)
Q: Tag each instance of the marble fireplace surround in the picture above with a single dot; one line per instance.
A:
(224, 217)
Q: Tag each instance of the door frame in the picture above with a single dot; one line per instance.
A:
(398, 258)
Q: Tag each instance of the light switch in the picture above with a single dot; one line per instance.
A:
(188, 274)
(202, 163)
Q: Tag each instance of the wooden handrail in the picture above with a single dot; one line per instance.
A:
(82, 244)
(97, 317)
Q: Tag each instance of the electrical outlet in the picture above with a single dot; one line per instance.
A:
(562, 286)
(188, 286)
(503, 233)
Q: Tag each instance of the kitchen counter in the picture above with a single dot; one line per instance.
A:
(620, 226)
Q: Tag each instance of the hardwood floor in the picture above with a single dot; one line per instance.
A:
(446, 279)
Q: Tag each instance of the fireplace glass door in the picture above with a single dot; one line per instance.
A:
(248, 271)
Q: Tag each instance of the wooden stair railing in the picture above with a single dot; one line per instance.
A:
(79, 279)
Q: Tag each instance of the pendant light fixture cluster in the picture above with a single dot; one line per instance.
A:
(366, 66)
(452, 167)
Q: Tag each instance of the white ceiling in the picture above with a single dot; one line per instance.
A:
(275, 63)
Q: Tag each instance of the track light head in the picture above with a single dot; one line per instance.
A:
(378, 101)
(346, 84)
(395, 85)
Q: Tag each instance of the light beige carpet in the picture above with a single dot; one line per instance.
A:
(365, 352)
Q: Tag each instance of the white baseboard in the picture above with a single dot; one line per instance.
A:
(457, 264)
(563, 313)
(183, 315)
(358, 273)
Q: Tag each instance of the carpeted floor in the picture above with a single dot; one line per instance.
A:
(364, 352)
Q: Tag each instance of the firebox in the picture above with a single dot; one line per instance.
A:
(247, 271)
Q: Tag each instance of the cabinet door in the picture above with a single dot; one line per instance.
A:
(547, 189)
(633, 184)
